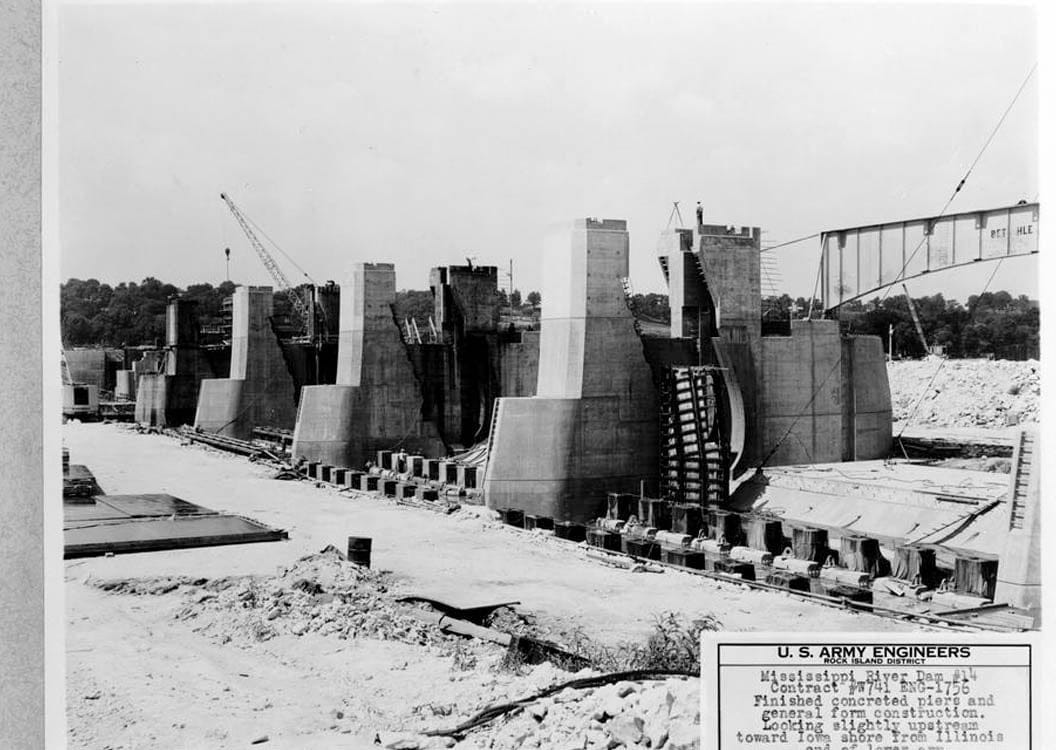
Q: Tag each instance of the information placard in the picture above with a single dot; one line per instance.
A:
(921, 691)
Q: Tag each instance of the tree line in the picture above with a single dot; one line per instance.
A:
(992, 324)
(130, 314)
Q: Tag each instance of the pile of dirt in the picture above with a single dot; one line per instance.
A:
(965, 392)
(326, 595)
(320, 593)
(659, 715)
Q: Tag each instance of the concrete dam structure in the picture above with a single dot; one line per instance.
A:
(607, 396)
(709, 428)
(591, 427)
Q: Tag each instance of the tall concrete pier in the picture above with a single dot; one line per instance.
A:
(259, 391)
(591, 428)
(376, 403)
(807, 397)
(166, 388)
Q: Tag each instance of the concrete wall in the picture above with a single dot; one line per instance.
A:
(849, 418)
(152, 398)
(592, 426)
(793, 368)
(686, 295)
(519, 365)
(87, 366)
(870, 401)
(125, 386)
(377, 401)
(466, 298)
(220, 408)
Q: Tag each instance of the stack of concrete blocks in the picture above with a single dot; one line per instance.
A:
(591, 428)
(259, 391)
(376, 403)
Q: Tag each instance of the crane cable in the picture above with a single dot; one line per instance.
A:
(956, 190)
(942, 363)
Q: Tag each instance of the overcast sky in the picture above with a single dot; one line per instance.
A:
(423, 134)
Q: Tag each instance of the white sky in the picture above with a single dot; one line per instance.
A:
(422, 134)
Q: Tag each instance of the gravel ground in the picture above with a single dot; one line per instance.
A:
(965, 392)
(218, 647)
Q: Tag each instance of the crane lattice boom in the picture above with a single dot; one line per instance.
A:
(270, 264)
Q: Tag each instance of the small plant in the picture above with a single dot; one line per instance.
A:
(674, 645)
(462, 660)
(513, 661)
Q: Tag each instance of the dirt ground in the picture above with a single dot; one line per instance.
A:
(142, 672)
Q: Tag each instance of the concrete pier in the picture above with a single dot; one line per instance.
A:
(167, 381)
(591, 429)
(376, 403)
(259, 390)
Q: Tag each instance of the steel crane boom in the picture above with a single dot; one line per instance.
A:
(269, 263)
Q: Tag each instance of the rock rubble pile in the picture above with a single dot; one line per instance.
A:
(661, 715)
(965, 392)
(320, 593)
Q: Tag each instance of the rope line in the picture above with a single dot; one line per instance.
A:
(956, 190)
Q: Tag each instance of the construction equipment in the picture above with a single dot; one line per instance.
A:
(79, 400)
(302, 310)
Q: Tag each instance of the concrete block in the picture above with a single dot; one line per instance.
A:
(449, 472)
(606, 540)
(406, 489)
(368, 482)
(426, 493)
(573, 532)
(383, 459)
(313, 469)
(466, 476)
(685, 558)
(431, 469)
(325, 473)
(388, 487)
(538, 522)
(512, 517)
(732, 567)
(415, 465)
(352, 478)
(643, 548)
